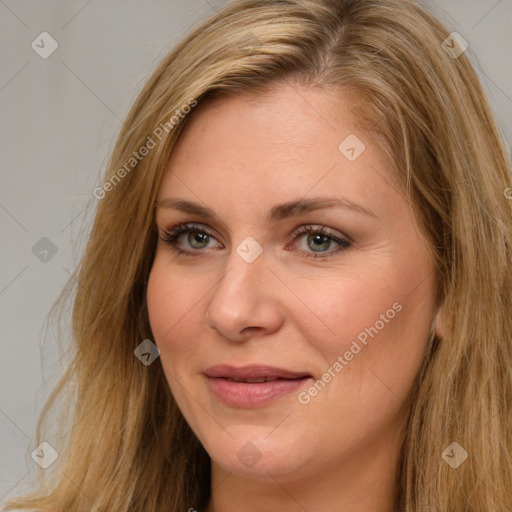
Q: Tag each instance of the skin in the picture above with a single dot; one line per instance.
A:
(240, 156)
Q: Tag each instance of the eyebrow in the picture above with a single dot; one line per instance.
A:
(278, 212)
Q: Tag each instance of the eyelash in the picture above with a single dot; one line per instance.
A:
(171, 236)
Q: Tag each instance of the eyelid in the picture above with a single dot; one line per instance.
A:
(304, 228)
(171, 235)
(344, 242)
(297, 231)
(185, 227)
(191, 226)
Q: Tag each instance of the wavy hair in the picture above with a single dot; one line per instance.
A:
(123, 443)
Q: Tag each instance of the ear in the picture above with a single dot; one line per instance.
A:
(438, 324)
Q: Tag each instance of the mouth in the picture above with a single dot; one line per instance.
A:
(253, 381)
(254, 385)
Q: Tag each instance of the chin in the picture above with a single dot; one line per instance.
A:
(252, 451)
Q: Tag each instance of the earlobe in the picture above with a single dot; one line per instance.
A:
(438, 325)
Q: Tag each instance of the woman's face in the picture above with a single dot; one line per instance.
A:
(328, 326)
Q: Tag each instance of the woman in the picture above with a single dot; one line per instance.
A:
(296, 293)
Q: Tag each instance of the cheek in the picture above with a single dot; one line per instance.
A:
(168, 303)
(372, 324)
(161, 309)
(176, 315)
(372, 358)
(339, 311)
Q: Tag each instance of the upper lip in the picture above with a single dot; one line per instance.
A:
(254, 371)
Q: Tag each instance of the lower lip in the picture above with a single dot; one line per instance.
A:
(257, 394)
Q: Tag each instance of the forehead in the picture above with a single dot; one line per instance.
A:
(284, 144)
(260, 132)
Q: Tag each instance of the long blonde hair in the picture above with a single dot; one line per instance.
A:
(123, 444)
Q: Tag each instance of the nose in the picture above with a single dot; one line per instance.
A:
(245, 302)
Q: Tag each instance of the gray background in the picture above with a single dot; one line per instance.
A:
(60, 117)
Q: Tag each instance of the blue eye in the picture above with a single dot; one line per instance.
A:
(321, 238)
(198, 238)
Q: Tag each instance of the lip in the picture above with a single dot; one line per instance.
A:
(253, 394)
